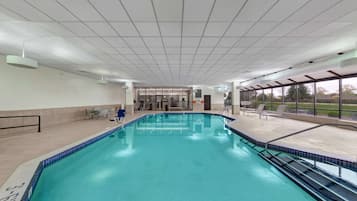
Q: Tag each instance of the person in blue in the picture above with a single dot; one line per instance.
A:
(120, 115)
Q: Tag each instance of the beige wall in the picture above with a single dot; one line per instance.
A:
(57, 96)
(24, 89)
(217, 99)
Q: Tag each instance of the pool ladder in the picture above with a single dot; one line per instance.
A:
(317, 182)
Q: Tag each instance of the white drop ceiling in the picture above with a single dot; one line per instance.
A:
(177, 42)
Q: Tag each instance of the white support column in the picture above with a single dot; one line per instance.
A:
(236, 97)
(129, 98)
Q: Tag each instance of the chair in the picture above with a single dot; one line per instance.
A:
(258, 111)
(278, 113)
(120, 115)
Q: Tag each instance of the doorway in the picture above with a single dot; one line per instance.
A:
(207, 102)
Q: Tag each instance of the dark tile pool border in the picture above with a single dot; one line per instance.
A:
(53, 159)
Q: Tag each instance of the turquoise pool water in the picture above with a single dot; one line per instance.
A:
(167, 157)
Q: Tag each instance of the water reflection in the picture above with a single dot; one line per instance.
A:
(126, 139)
(266, 174)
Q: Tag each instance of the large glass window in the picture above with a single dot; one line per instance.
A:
(316, 98)
(290, 98)
(260, 97)
(327, 98)
(268, 96)
(252, 99)
(277, 97)
(306, 98)
(349, 98)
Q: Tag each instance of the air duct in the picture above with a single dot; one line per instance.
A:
(349, 63)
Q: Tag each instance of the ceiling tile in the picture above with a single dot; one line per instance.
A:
(246, 41)
(148, 28)
(191, 13)
(156, 50)
(172, 41)
(140, 10)
(115, 41)
(311, 9)
(6, 15)
(170, 29)
(110, 9)
(307, 28)
(261, 28)
(264, 42)
(228, 41)
(101, 28)
(53, 9)
(125, 28)
(236, 50)
(239, 28)
(204, 50)
(190, 41)
(82, 9)
(189, 51)
(23, 9)
(216, 28)
(330, 29)
(226, 10)
(153, 41)
(283, 9)
(168, 10)
(209, 41)
(284, 28)
(255, 9)
(134, 42)
(79, 28)
(338, 11)
(192, 29)
(97, 42)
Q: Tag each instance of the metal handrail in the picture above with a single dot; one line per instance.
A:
(308, 129)
(23, 116)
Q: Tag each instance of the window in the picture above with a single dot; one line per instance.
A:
(290, 98)
(252, 99)
(260, 97)
(306, 98)
(349, 99)
(327, 98)
(277, 97)
(314, 98)
(268, 96)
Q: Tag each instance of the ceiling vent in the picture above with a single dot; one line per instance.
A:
(21, 61)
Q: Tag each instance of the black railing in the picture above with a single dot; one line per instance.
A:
(21, 126)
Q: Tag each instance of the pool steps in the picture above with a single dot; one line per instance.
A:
(316, 182)
(306, 175)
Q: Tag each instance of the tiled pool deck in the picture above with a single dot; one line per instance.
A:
(16, 150)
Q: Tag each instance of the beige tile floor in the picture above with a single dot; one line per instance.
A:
(21, 148)
(329, 141)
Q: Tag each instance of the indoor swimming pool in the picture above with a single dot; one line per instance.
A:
(167, 157)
